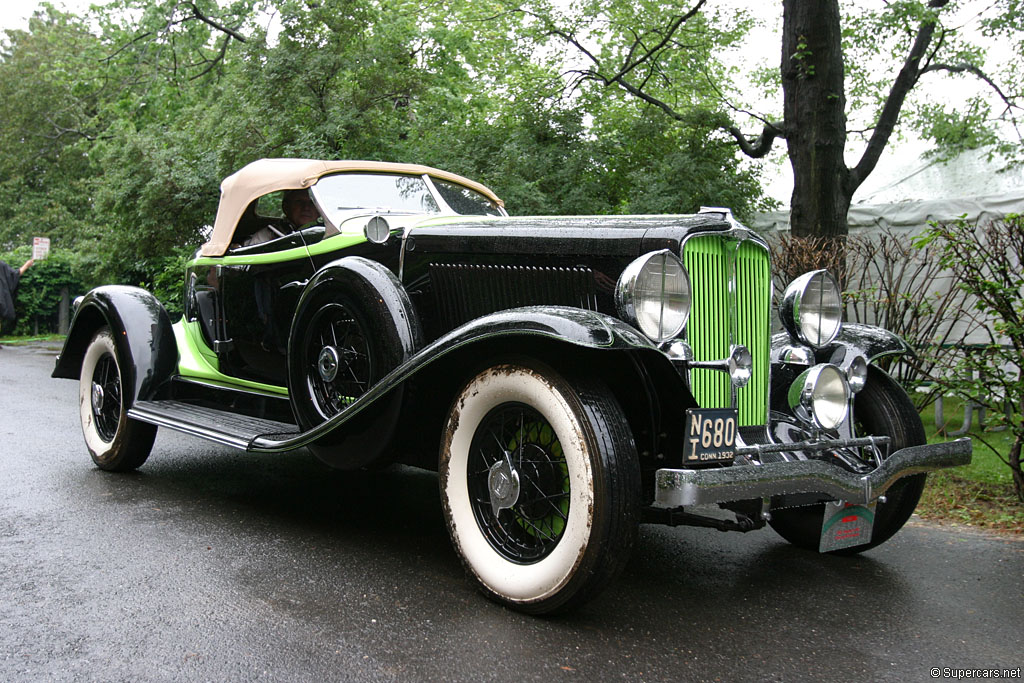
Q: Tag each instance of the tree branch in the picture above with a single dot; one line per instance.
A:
(220, 27)
(666, 38)
(215, 61)
(964, 67)
(763, 144)
(904, 83)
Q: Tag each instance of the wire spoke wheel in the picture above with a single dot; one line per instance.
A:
(540, 484)
(116, 442)
(105, 398)
(336, 358)
(530, 528)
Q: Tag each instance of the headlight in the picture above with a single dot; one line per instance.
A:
(653, 293)
(821, 395)
(812, 308)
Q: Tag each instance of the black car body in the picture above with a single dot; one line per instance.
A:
(568, 377)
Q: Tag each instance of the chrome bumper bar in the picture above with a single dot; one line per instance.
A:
(674, 488)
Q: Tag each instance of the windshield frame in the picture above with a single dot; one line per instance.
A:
(334, 218)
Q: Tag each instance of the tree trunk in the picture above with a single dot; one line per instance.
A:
(815, 114)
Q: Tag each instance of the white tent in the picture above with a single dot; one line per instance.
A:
(908, 195)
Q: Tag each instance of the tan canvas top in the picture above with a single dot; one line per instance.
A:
(269, 175)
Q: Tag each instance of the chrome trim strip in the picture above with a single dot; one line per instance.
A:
(680, 487)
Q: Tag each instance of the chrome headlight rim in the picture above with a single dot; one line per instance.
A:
(797, 310)
(377, 230)
(630, 289)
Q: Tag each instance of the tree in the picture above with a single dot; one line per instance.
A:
(822, 90)
(121, 125)
(50, 102)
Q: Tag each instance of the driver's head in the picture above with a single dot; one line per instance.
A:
(298, 207)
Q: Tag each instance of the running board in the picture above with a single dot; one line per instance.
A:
(220, 426)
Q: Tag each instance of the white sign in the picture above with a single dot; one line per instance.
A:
(40, 248)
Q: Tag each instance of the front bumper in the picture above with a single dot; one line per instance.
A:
(674, 488)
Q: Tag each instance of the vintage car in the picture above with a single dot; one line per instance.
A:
(568, 377)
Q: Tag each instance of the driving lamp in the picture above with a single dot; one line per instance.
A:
(812, 308)
(821, 396)
(653, 294)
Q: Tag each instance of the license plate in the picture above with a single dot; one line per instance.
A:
(846, 525)
(710, 435)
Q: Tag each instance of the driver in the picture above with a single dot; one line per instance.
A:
(299, 210)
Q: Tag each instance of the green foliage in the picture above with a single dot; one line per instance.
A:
(37, 300)
(985, 261)
(120, 125)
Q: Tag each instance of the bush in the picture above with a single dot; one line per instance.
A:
(37, 301)
(986, 261)
(890, 283)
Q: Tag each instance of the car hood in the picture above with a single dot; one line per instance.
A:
(615, 236)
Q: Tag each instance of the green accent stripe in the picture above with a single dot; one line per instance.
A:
(710, 326)
(333, 243)
(197, 361)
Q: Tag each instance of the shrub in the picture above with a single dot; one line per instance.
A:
(986, 261)
(37, 301)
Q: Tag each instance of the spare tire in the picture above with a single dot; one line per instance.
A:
(353, 325)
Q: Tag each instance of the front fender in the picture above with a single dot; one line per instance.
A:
(573, 326)
(870, 341)
(142, 333)
(789, 358)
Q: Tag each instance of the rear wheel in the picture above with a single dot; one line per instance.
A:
(115, 442)
(882, 408)
(540, 483)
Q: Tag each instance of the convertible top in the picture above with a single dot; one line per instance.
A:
(269, 175)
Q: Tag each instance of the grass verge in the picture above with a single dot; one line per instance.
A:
(980, 494)
(19, 341)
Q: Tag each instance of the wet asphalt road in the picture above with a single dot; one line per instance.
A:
(212, 565)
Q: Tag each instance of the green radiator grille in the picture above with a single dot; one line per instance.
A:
(712, 327)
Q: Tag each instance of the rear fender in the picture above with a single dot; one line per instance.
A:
(142, 334)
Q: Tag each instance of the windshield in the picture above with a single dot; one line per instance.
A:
(342, 193)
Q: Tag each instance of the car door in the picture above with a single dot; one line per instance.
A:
(259, 297)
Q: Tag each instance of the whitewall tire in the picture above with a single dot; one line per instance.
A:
(115, 442)
(540, 485)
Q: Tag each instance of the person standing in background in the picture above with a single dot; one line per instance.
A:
(9, 279)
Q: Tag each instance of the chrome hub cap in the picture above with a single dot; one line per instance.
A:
(97, 397)
(327, 363)
(503, 485)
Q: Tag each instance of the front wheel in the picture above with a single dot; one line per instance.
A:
(882, 408)
(115, 442)
(540, 483)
